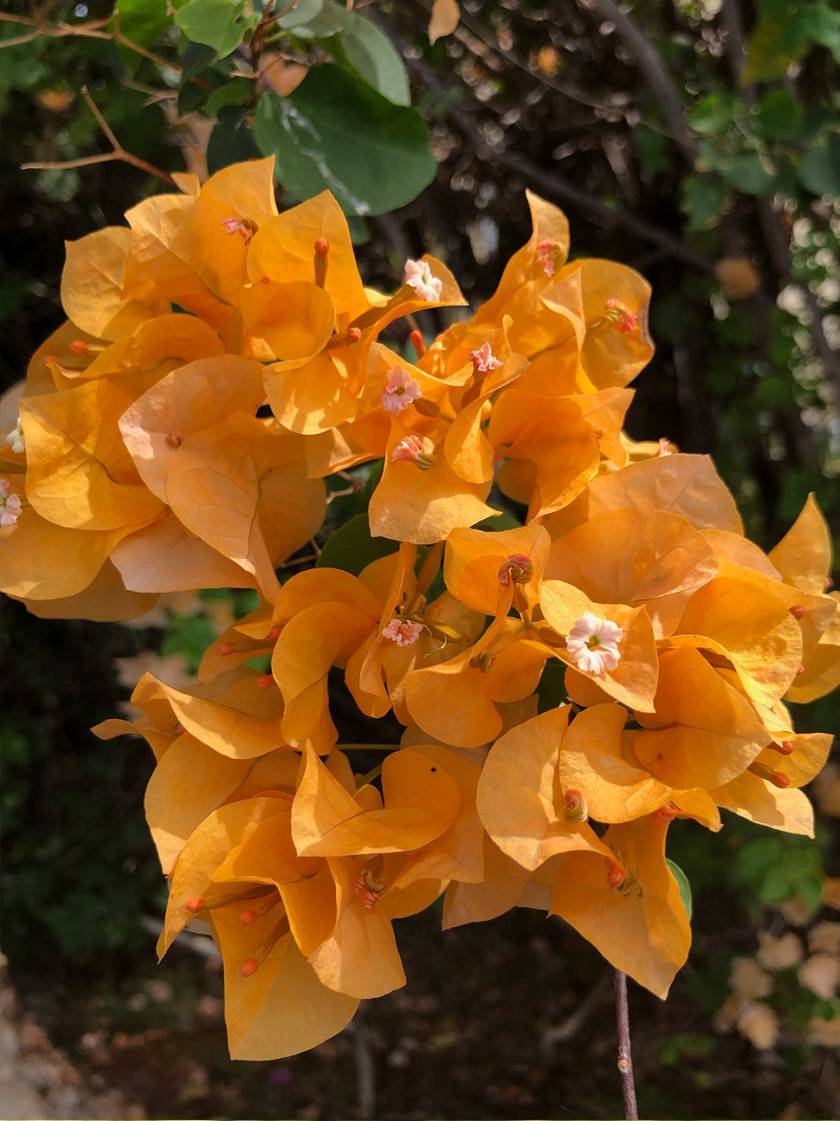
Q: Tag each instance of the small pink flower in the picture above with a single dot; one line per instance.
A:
(484, 360)
(419, 276)
(414, 449)
(10, 505)
(547, 256)
(242, 226)
(593, 644)
(401, 390)
(623, 319)
(403, 632)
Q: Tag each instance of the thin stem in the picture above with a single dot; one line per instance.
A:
(100, 120)
(625, 1058)
(118, 153)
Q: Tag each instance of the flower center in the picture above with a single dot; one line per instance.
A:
(418, 450)
(419, 276)
(242, 226)
(401, 390)
(592, 644)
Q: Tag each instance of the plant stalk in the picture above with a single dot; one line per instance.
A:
(625, 1058)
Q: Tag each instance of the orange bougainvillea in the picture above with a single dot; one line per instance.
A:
(224, 374)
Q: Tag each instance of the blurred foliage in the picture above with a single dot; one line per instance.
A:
(722, 191)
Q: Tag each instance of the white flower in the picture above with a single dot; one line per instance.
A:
(403, 632)
(401, 390)
(15, 439)
(418, 275)
(484, 360)
(593, 644)
(10, 505)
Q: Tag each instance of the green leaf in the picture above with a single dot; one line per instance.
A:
(653, 149)
(778, 115)
(305, 11)
(232, 93)
(504, 520)
(351, 547)
(334, 131)
(714, 113)
(370, 53)
(751, 174)
(822, 24)
(318, 24)
(684, 886)
(779, 38)
(819, 169)
(144, 21)
(220, 24)
(231, 140)
(195, 58)
(551, 690)
(189, 635)
(703, 199)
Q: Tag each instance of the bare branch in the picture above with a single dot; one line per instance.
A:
(625, 1057)
(117, 153)
(654, 72)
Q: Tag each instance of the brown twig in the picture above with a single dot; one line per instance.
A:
(654, 72)
(625, 1058)
(118, 152)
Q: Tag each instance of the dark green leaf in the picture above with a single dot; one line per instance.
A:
(504, 520)
(360, 231)
(822, 24)
(684, 886)
(751, 174)
(654, 150)
(144, 21)
(196, 58)
(819, 169)
(714, 112)
(351, 547)
(552, 689)
(232, 93)
(334, 131)
(778, 115)
(231, 139)
(703, 199)
(220, 24)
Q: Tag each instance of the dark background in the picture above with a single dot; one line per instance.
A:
(562, 99)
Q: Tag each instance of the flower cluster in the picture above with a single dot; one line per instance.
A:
(144, 460)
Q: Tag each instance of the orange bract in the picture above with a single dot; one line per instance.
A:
(220, 362)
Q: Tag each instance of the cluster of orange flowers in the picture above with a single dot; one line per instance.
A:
(142, 463)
